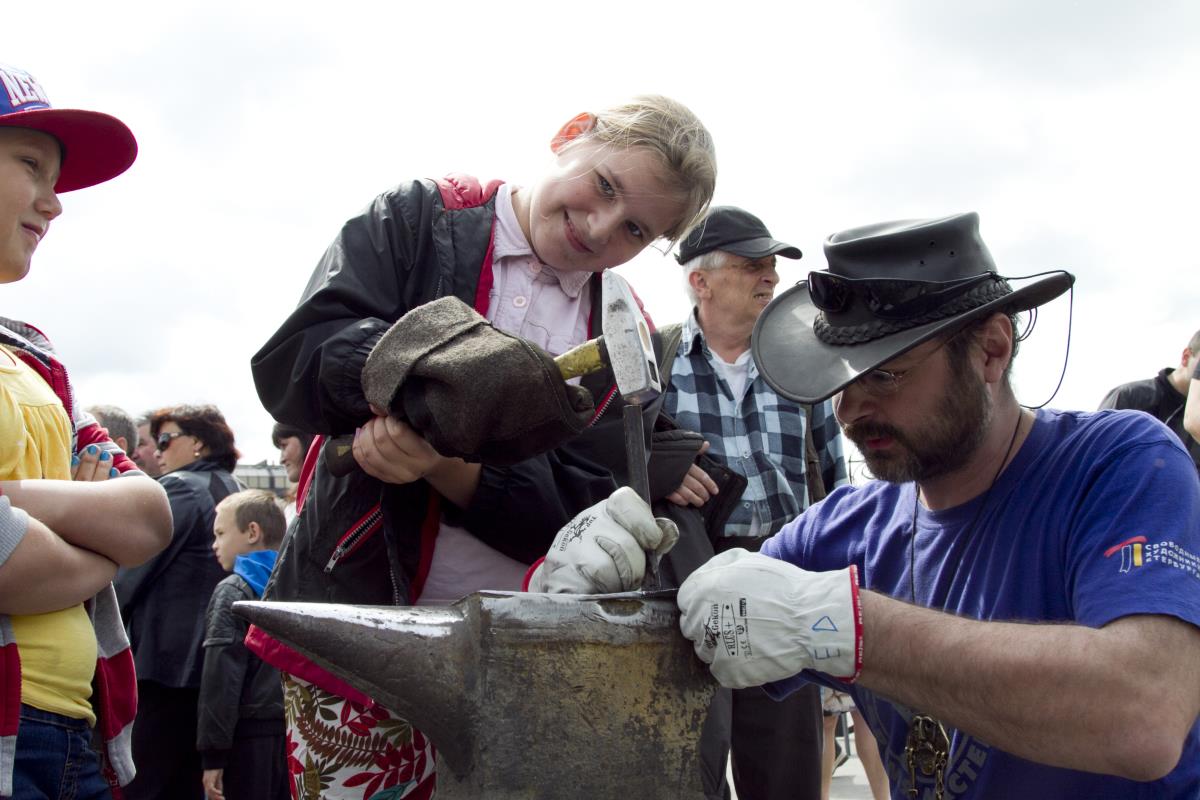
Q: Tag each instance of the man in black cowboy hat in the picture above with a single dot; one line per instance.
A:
(917, 593)
(729, 271)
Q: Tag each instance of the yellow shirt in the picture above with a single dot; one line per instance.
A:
(58, 650)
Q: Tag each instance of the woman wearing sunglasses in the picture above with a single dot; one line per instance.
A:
(164, 600)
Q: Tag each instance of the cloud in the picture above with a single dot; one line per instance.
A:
(263, 126)
(1092, 42)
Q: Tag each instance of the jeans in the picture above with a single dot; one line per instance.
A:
(55, 759)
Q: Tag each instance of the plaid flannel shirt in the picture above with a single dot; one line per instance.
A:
(760, 435)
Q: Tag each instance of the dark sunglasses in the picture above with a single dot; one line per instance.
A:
(164, 439)
(887, 298)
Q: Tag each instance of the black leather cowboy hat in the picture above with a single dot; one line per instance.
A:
(892, 286)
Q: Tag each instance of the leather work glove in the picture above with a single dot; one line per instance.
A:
(470, 390)
(603, 549)
(756, 619)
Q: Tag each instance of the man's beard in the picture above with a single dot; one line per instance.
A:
(944, 444)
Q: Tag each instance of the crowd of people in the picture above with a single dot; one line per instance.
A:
(1011, 597)
(209, 715)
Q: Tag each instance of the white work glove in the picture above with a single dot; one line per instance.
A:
(604, 548)
(757, 619)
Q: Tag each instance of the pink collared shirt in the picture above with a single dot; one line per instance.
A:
(550, 308)
(535, 301)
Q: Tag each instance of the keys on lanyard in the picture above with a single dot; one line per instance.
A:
(927, 748)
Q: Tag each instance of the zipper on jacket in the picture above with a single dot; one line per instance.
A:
(358, 533)
(608, 399)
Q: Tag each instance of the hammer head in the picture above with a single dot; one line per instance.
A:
(627, 338)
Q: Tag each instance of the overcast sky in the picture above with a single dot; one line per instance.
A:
(1071, 127)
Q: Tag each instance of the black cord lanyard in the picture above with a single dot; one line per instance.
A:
(912, 531)
(927, 747)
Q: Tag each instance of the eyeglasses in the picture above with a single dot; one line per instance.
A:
(164, 439)
(887, 382)
(887, 298)
(751, 265)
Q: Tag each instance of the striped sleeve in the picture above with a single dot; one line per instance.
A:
(88, 431)
(13, 524)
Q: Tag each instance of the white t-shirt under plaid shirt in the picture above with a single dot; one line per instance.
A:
(757, 433)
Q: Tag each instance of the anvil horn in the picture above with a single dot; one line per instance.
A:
(413, 661)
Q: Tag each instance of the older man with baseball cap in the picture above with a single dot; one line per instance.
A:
(1013, 606)
(729, 273)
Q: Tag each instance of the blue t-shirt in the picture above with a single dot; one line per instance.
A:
(1096, 518)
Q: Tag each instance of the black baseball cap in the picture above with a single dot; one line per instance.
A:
(732, 230)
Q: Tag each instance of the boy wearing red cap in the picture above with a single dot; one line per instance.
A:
(65, 664)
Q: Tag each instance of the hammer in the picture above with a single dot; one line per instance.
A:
(619, 347)
(631, 356)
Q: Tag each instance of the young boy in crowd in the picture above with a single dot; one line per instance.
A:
(240, 734)
(66, 675)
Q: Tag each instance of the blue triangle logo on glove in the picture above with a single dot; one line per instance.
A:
(825, 624)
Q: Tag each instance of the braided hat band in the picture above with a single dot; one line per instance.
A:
(869, 331)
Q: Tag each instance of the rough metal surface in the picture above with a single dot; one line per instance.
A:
(529, 696)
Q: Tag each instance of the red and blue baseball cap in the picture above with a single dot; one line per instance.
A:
(95, 146)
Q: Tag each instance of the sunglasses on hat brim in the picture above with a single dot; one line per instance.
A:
(887, 298)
